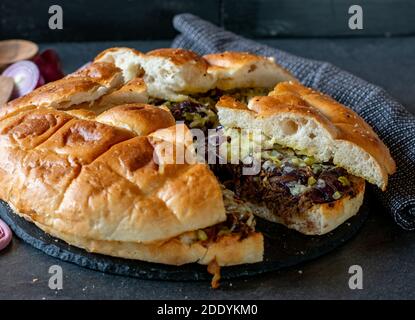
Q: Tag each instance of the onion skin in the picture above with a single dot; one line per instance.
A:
(49, 65)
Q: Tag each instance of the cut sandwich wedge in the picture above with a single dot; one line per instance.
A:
(314, 157)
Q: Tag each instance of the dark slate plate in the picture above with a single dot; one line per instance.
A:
(283, 248)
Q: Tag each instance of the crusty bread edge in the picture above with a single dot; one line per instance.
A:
(320, 218)
(228, 251)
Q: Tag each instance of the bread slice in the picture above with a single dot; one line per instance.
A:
(77, 89)
(142, 119)
(315, 124)
(173, 73)
(134, 91)
(244, 70)
(105, 73)
(227, 250)
(127, 59)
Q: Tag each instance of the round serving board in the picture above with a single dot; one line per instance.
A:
(283, 248)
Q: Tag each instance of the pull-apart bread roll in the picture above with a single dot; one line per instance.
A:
(96, 158)
(127, 59)
(243, 70)
(314, 154)
(82, 87)
(97, 87)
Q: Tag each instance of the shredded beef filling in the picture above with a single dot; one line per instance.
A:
(200, 111)
(288, 183)
(273, 187)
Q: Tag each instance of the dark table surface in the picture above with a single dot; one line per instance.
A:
(385, 252)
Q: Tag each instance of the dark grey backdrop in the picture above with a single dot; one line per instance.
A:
(385, 252)
(137, 20)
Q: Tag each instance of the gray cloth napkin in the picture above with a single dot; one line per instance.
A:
(392, 122)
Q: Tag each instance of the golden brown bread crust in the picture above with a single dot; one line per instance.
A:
(84, 140)
(28, 129)
(61, 94)
(142, 119)
(180, 57)
(125, 197)
(8, 110)
(104, 73)
(34, 182)
(290, 114)
(320, 218)
(82, 114)
(134, 85)
(134, 91)
(232, 59)
(103, 55)
(245, 70)
(84, 86)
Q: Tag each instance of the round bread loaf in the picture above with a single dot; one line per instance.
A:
(90, 160)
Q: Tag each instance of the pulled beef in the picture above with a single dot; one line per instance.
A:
(322, 194)
(271, 187)
(179, 108)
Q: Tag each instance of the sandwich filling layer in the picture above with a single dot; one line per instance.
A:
(288, 182)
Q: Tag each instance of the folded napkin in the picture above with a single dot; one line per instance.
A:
(392, 122)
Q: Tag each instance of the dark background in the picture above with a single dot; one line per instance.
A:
(382, 53)
(94, 20)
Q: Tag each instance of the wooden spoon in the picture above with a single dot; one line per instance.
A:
(15, 50)
(6, 89)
